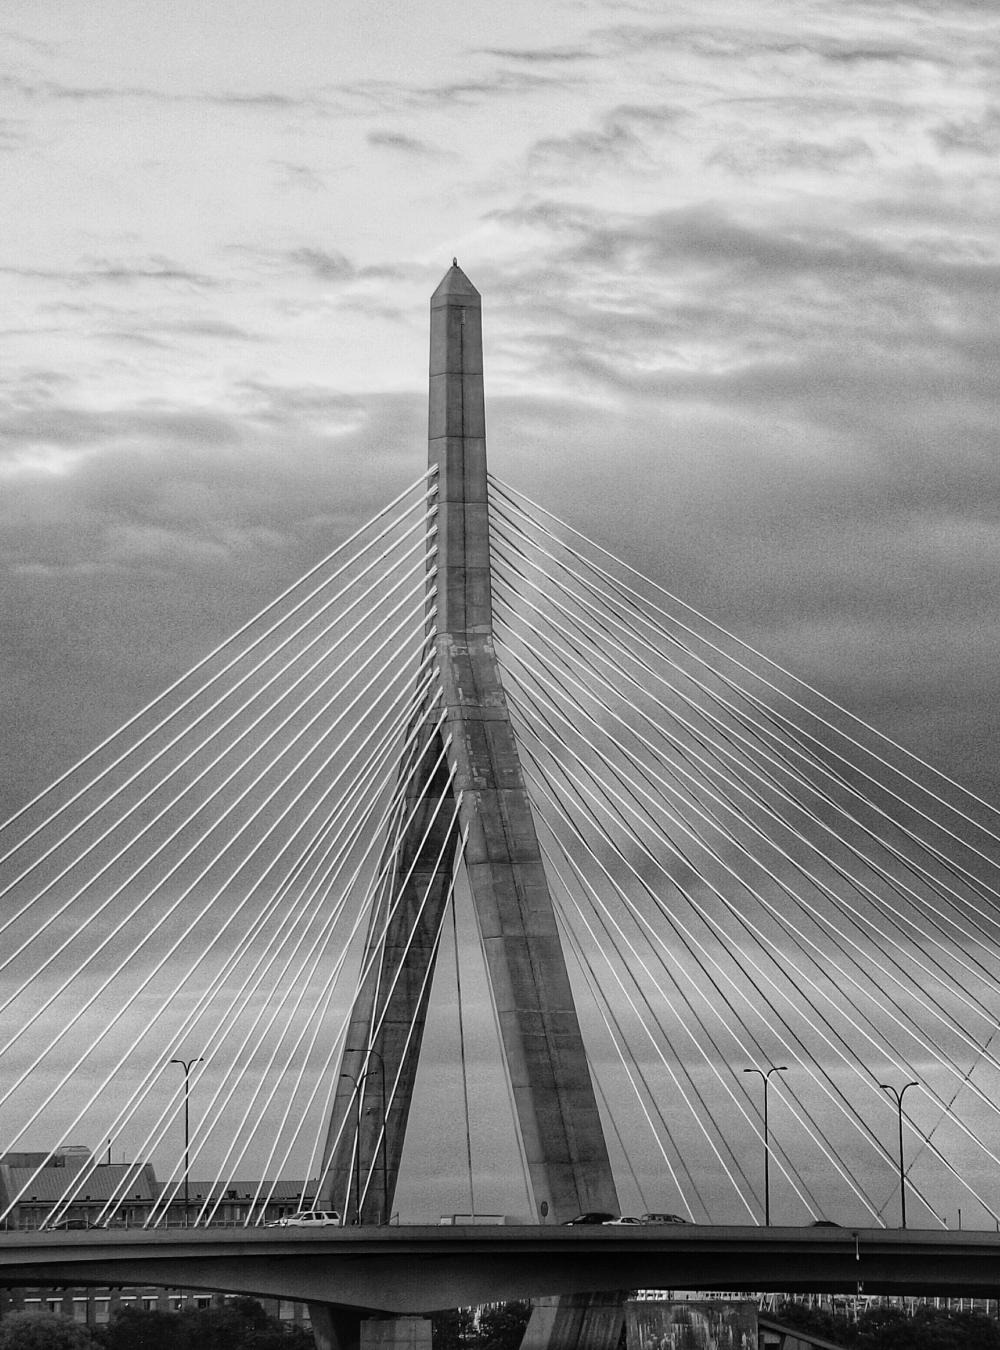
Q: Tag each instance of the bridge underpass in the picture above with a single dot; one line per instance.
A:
(473, 737)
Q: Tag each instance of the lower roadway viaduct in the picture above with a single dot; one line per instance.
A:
(421, 1269)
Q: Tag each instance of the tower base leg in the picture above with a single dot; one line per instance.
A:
(576, 1322)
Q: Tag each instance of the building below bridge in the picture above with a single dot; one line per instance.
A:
(96, 1306)
(137, 1196)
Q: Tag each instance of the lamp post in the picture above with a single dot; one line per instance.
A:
(898, 1099)
(186, 1066)
(778, 1068)
(357, 1082)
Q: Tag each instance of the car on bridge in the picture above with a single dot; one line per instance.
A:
(625, 1221)
(309, 1218)
(662, 1218)
(591, 1216)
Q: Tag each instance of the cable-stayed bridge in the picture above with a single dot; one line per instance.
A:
(476, 872)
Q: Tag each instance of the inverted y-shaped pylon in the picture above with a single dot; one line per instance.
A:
(470, 774)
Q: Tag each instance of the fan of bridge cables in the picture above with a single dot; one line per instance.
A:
(746, 878)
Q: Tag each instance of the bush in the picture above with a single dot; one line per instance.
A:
(43, 1331)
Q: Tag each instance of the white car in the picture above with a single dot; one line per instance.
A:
(624, 1220)
(311, 1218)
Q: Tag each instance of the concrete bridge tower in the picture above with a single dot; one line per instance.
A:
(555, 1105)
(556, 1109)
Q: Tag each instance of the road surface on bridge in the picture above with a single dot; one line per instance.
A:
(422, 1268)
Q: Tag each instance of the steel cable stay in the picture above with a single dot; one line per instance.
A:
(262, 716)
(377, 1026)
(662, 953)
(389, 822)
(936, 885)
(635, 638)
(295, 981)
(630, 1063)
(390, 663)
(460, 1011)
(699, 954)
(608, 921)
(206, 660)
(594, 650)
(248, 942)
(799, 938)
(968, 878)
(385, 870)
(356, 829)
(137, 871)
(627, 652)
(590, 671)
(506, 493)
(299, 979)
(350, 795)
(848, 1110)
(364, 910)
(505, 1071)
(447, 906)
(164, 959)
(677, 748)
(687, 937)
(552, 795)
(418, 746)
(789, 1041)
(193, 848)
(369, 776)
(571, 944)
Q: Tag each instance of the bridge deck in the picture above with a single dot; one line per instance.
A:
(419, 1269)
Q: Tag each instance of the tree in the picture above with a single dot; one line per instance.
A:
(927, 1329)
(131, 1328)
(43, 1331)
(240, 1325)
(831, 1326)
(453, 1329)
(501, 1327)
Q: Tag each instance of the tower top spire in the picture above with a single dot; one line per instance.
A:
(455, 284)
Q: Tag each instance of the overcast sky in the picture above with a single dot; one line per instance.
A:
(740, 272)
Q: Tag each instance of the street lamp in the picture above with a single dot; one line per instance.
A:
(778, 1068)
(186, 1066)
(898, 1099)
(357, 1083)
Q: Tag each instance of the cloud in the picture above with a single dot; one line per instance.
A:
(539, 55)
(391, 96)
(325, 265)
(791, 419)
(624, 137)
(299, 175)
(94, 271)
(396, 140)
(742, 43)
